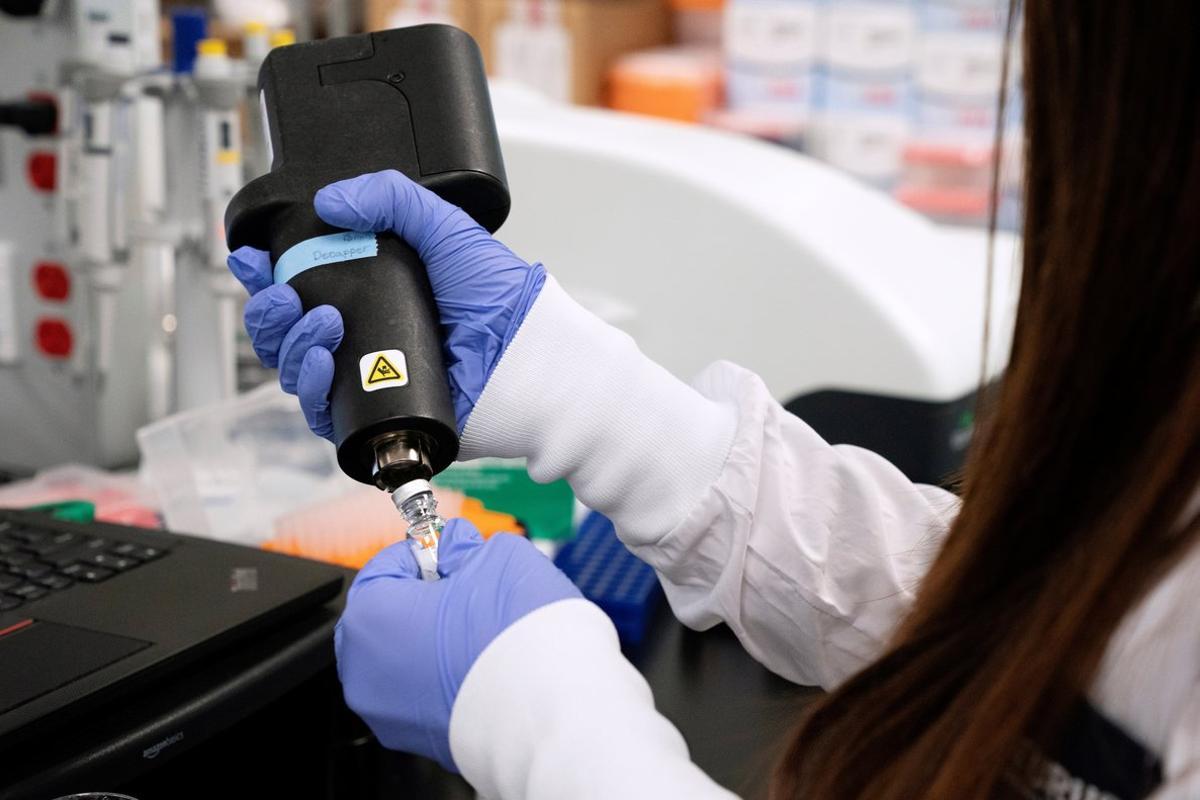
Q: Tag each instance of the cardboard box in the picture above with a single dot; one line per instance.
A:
(384, 14)
(581, 39)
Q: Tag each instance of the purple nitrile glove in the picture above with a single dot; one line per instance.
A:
(482, 290)
(404, 645)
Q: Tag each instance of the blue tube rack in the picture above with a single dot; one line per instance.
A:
(611, 577)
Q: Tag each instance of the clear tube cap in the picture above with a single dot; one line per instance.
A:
(410, 490)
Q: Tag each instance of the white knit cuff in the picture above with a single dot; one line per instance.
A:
(578, 398)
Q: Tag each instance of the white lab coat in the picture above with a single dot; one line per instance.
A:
(811, 553)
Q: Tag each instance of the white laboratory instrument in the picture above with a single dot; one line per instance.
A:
(220, 90)
(115, 304)
(73, 380)
(862, 317)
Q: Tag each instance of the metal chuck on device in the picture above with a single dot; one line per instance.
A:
(413, 100)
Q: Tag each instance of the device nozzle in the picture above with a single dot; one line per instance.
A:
(399, 458)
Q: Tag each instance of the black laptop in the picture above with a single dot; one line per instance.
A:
(88, 612)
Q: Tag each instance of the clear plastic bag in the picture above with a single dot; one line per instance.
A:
(229, 471)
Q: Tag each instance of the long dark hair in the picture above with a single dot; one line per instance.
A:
(1075, 490)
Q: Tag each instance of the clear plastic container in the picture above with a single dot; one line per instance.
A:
(228, 471)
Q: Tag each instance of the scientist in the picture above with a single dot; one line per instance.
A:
(1038, 638)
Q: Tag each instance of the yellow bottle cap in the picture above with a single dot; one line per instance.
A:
(254, 28)
(283, 37)
(212, 47)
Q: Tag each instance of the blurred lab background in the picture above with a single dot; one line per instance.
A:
(801, 186)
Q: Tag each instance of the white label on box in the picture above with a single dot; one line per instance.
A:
(771, 33)
(787, 95)
(964, 65)
(9, 351)
(939, 117)
(870, 37)
(538, 56)
(976, 16)
(885, 95)
(864, 145)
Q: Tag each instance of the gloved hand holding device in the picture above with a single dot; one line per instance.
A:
(482, 290)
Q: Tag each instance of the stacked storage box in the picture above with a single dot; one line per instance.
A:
(948, 162)
(771, 49)
(865, 87)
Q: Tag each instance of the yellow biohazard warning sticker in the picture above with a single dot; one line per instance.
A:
(385, 369)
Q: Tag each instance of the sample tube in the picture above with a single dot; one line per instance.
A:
(416, 502)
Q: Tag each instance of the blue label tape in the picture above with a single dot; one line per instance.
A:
(328, 249)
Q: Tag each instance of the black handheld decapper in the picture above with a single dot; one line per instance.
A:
(414, 100)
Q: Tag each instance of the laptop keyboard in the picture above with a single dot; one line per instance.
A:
(35, 561)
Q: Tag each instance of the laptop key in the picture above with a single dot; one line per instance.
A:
(8, 581)
(15, 559)
(95, 574)
(148, 553)
(63, 558)
(130, 550)
(55, 582)
(8, 603)
(68, 556)
(116, 563)
(86, 573)
(52, 545)
(29, 591)
(32, 571)
(27, 535)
